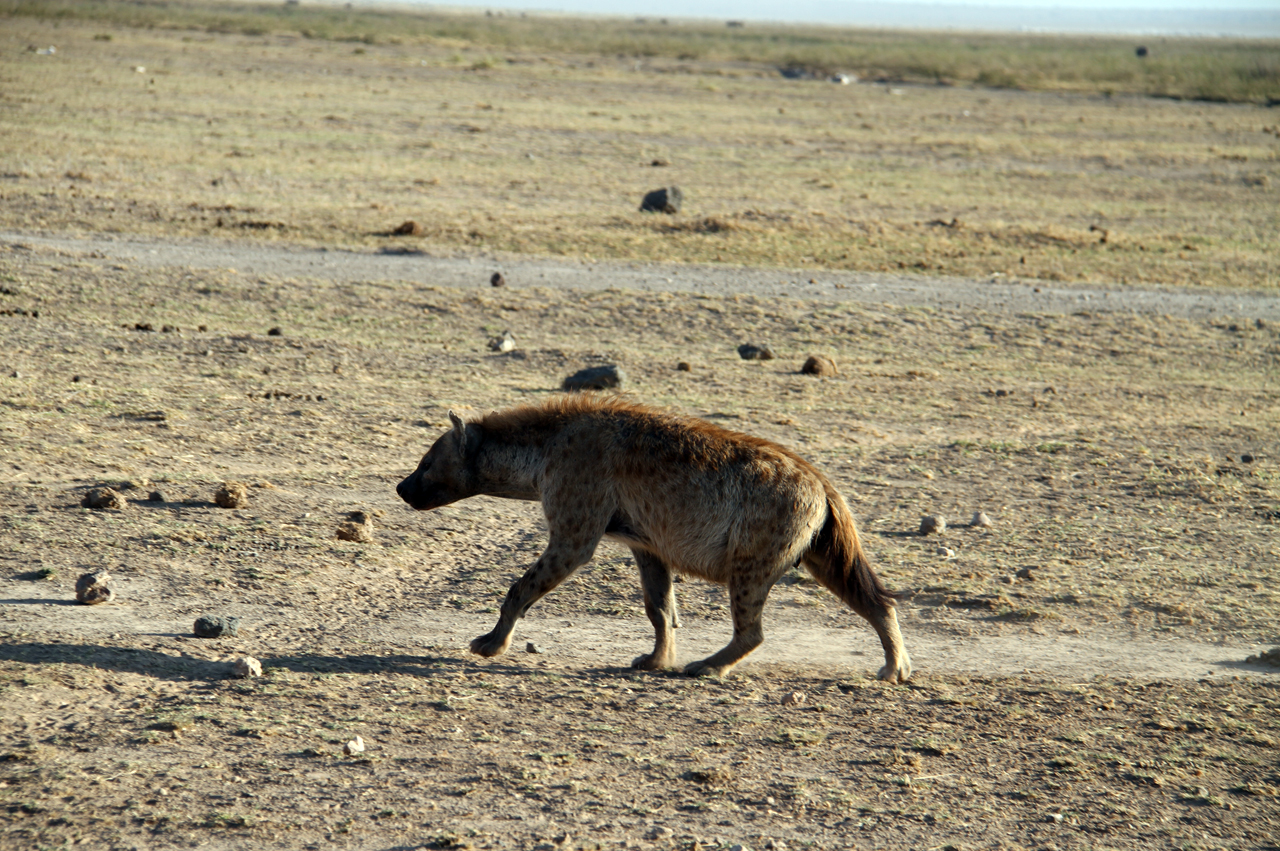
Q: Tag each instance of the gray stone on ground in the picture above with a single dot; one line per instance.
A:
(503, 343)
(91, 588)
(751, 351)
(232, 495)
(665, 200)
(156, 496)
(819, 365)
(358, 529)
(608, 377)
(103, 498)
(216, 626)
(981, 520)
(245, 667)
(497, 280)
(932, 525)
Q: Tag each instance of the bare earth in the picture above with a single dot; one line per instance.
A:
(1100, 699)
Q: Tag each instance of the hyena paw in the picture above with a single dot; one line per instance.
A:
(703, 669)
(650, 662)
(491, 644)
(898, 673)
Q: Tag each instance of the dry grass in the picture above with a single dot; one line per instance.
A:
(273, 136)
(1239, 70)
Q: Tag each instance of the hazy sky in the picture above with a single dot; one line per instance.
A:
(1249, 18)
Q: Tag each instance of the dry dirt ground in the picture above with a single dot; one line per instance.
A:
(1128, 461)
(1082, 677)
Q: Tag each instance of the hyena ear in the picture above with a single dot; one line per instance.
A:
(465, 439)
(459, 433)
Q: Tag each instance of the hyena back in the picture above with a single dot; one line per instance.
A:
(684, 495)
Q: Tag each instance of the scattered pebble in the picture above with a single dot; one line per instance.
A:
(530, 647)
(216, 626)
(750, 351)
(1246, 458)
(946, 552)
(407, 228)
(505, 343)
(358, 528)
(819, 365)
(156, 496)
(275, 332)
(684, 366)
(1056, 818)
(103, 498)
(775, 845)
(981, 520)
(232, 495)
(794, 698)
(596, 378)
(932, 525)
(246, 667)
(497, 280)
(661, 832)
(1026, 573)
(353, 747)
(91, 588)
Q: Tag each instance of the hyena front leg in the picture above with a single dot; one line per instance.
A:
(660, 606)
(555, 566)
(747, 597)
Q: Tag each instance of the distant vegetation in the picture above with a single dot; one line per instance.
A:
(1236, 70)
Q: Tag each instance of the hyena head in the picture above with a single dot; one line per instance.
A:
(445, 473)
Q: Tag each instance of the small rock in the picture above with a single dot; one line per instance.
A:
(1026, 573)
(946, 552)
(246, 667)
(502, 344)
(91, 588)
(216, 626)
(232, 495)
(1056, 818)
(665, 200)
(793, 698)
(818, 365)
(596, 378)
(981, 520)
(530, 647)
(358, 528)
(661, 832)
(1270, 657)
(750, 351)
(932, 525)
(408, 228)
(103, 498)
(775, 845)
(353, 747)
(1246, 458)
(739, 847)
(497, 280)
(156, 496)
(684, 366)
(275, 332)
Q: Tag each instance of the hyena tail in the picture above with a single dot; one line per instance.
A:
(836, 560)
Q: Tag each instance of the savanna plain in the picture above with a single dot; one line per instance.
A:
(1127, 460)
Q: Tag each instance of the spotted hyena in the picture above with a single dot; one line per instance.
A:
(683, 494)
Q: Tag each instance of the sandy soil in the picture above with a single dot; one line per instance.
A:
(1103, 698)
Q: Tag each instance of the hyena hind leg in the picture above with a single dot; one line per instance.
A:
(660, 606)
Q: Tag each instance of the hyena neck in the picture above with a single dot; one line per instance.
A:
(508, 470)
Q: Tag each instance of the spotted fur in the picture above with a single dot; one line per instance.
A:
(683, 494)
